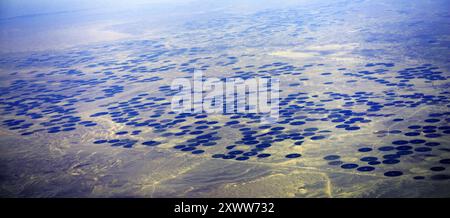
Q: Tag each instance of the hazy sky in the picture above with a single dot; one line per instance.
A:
(47, 24)
(14, 8)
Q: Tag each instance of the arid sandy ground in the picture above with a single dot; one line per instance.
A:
(85, 108)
